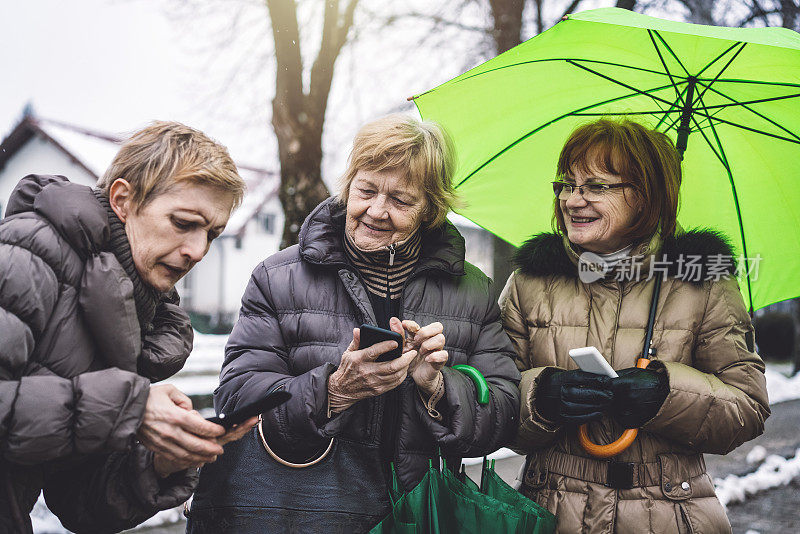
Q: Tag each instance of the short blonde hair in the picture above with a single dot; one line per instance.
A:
(166, 153)
(421, 150)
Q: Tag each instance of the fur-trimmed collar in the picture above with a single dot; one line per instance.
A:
(545, 254)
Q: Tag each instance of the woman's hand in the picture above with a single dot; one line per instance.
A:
(179, 436)
(573, 397)
(638, 395)
(428, 341)
(359, 376)
(165, 466)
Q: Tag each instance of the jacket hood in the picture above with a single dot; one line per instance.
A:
(71, 208)
(547, 254)
(321, 236)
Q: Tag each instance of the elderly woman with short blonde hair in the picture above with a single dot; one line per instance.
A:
(382, 253)
(89, 318)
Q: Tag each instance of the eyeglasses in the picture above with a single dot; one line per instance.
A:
(589, 192)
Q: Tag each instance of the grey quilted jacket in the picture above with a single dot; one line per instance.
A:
(72, 357)
(297, 318)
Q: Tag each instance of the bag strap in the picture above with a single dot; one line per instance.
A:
(287, 463)
(648, 352)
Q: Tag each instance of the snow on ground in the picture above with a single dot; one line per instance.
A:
(200, 375)
(781, 388)
(775, 471)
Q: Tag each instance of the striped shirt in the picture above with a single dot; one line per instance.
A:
(389, 266)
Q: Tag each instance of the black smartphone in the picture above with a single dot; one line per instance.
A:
(227, 420)
(371, 335)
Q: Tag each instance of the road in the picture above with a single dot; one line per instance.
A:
(775, 510)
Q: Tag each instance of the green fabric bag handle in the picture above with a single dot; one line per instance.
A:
(477, 378)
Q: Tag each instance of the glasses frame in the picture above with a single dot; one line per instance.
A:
(579, 188)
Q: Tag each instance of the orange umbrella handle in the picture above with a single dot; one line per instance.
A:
(616, 447)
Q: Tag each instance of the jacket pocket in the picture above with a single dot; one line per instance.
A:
(697, 508)
(674, 478)
(535, 476)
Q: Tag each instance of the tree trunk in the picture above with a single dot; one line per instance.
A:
(507, 15)
(298, 115)
(700, 11)
(790, 10)
(300, 154)
(507, 34)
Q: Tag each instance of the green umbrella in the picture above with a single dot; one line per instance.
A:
(442, 504)
(729, 96)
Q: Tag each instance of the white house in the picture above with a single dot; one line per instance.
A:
(214, 287)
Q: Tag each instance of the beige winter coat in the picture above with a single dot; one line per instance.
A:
(703, 338)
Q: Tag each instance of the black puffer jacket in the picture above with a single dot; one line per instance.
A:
(72, 341)
(297, 318)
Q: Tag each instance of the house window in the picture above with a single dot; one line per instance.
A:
(267, 222)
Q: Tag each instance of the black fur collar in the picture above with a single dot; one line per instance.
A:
(544, 254)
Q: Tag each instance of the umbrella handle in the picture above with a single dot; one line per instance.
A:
(480, 383)
(615, 447)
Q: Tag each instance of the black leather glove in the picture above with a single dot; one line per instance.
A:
(638, 395)
(572, 397)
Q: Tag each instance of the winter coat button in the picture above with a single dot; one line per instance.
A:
(685, 486)
(667, 486)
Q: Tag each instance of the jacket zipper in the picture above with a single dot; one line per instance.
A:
(387, 305)
(392, 406)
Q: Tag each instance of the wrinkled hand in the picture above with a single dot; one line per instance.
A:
(179, 436)
(428, 341)
(359, 376)
(573, 397)
(638, 395)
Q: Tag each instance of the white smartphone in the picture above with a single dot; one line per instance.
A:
(589, 359)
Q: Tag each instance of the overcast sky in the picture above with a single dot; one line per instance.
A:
(96, 63)
(114, 65)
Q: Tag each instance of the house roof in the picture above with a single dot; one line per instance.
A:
(93, 150)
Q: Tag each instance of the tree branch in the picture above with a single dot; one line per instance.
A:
(347, 23)
(437, 19)
(286, 34)
(756, 12)
(570, 8)
(334, 35)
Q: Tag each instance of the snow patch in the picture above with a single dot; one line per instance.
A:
(496, 455)
(781, 388)
(756, 455)
(775, 471)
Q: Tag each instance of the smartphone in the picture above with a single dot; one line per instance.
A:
(589, 359)
(228, 419)
(370, 335)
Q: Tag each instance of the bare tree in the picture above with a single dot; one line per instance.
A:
(507, 33)
(785, 13)
(298, 112)
(505, 25)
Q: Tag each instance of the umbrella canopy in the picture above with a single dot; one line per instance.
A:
(443, 504)
(730, 96)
